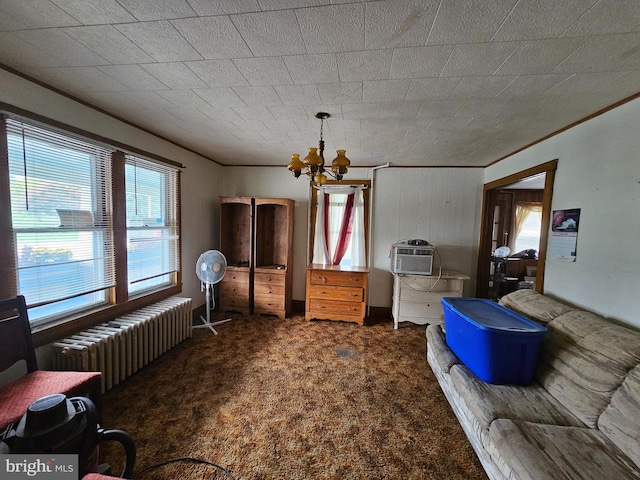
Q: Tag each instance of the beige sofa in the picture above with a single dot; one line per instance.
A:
(580, 416)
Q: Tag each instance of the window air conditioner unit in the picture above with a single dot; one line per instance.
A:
(412, 257)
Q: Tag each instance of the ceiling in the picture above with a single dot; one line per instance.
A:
(408, 82)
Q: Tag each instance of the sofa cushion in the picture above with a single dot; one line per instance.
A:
(583, 360)
(488, 402)
(551, 452)
(436, 342)
(534, 305)
(620, 421)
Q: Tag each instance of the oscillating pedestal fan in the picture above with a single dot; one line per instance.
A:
(210, 269)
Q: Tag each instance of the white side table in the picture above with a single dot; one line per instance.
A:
(416, 298)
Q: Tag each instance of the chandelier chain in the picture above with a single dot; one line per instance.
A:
(314, 165)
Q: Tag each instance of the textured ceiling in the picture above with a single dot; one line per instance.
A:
(412, 83)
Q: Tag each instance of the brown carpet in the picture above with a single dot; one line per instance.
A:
(290, 399)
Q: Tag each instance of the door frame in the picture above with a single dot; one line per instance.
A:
(488, 199)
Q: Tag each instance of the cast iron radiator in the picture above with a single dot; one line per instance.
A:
(124, 345)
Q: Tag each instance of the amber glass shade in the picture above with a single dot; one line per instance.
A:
(313, 159)
(319, 178)
(341, 163)
(296, 166)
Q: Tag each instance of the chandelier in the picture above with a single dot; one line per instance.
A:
(313, 164)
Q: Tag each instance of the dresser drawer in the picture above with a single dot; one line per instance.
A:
(269, 284)
(319, 307)
(235, 285)
(229, 302)
(268, 289)
(236, 276)
(344, 279)
(233, 288)
(268, 304)
(334, 292)
(427, 310)
(409, 295)
(269, 278)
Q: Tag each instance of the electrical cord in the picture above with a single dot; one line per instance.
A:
(185, 459)
(439, 271)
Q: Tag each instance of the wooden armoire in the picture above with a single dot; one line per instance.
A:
(256, 237)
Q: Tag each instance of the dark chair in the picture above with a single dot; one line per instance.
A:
(16, 344)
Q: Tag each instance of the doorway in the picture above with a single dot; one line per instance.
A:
(493, 233)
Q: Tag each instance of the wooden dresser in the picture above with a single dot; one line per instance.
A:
(336, 293)
(235, 290)
(273, 256)
(270, 292)
(417, 298)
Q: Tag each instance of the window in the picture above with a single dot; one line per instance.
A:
(339, 224)
(152, 226)
(527, 226)
(62, 228)
(77, 239)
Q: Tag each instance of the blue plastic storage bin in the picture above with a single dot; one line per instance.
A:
(497, 344)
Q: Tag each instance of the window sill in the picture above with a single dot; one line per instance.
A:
(50, 333)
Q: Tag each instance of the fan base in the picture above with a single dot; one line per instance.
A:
(210, 325)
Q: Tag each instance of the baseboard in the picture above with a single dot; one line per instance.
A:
(298, 308)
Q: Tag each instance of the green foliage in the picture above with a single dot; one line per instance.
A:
(43, 255)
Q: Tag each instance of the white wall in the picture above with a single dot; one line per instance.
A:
(201, 180)
(441, 205)
(598, 172)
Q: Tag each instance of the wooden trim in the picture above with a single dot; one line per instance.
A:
(551, 165)
(488, 201)
(120, 226)
(546, 221)
(484, 246)
(8, 285)
(570, 126)
(178, 276)
(351, 167)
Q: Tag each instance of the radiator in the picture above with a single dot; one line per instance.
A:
(124, 345)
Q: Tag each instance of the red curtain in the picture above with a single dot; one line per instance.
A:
(327, 226)
(345, 231)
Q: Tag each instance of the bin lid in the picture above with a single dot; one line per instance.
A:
(489, 315)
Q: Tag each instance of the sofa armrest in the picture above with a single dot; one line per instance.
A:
(436, 342)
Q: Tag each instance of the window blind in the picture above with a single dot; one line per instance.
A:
(152, 223)
(61, 191)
